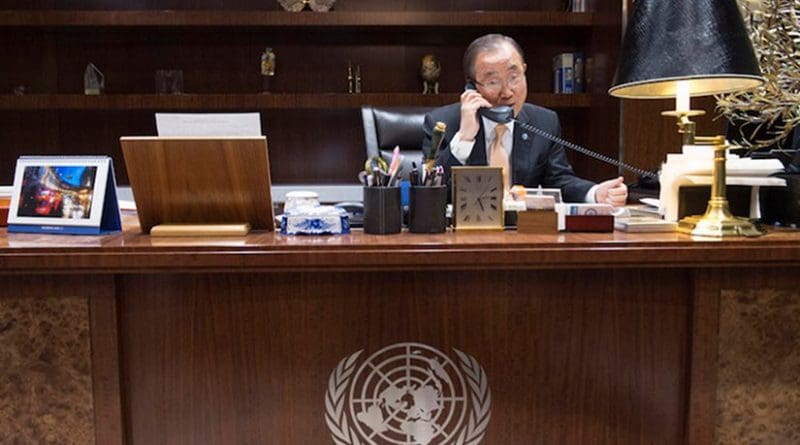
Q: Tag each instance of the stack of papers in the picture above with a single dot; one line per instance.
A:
(644, 224)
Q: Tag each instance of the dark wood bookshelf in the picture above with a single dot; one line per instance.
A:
(495, 19)
(46, 46)
(196, 102)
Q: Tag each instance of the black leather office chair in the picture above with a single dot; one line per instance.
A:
(385, 128)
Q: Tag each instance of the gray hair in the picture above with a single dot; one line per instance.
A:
(489, 42)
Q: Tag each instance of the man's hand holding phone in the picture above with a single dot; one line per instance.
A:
(471, 102)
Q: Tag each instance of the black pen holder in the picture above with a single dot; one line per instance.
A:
(427, 206)
(382, 214)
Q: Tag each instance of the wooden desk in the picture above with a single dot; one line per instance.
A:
(583, 338)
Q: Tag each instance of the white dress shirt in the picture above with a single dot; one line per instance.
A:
(462, 149)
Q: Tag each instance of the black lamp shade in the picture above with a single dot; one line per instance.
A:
(702, 42)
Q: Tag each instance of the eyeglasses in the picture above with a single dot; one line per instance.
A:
(495, 85)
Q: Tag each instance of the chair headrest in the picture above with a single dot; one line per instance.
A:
(400, 126)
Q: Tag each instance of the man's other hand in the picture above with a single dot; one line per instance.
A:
(613, 192)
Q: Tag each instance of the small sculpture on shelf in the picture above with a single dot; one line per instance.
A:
(358, 80)
(350, 78)
(267, 68)
(169, 81)
(299, 5)
(430, 70)
(93, 80)
(353, 80)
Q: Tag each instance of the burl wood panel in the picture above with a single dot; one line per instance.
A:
(572, 357)
(758, 393)
(45, 371)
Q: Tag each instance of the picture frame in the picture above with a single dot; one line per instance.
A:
(64, 194)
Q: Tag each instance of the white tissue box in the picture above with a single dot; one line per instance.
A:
(319, 220)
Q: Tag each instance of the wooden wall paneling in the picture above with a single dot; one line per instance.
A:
(341, 5)
(108, 418)
(26, 133)
(325, 146)
(648, 136)
(246, 358)
(600, 124)
(31, 61)
(702, 414)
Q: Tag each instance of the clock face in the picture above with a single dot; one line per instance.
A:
(478, 197)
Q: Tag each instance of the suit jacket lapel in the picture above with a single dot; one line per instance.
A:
(522, 152)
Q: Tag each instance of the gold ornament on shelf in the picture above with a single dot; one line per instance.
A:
(267, 68)
(430, 70)
(299, 5)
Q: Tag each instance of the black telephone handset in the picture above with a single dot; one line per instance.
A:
(504, 114)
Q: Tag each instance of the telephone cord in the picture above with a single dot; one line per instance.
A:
(586, 151)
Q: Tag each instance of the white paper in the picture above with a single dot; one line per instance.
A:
(208, 124)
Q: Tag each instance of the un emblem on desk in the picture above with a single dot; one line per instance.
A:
(408, 394)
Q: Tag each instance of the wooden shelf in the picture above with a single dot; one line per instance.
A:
(495, 19)
(198, 102)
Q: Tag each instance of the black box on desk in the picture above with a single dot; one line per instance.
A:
(781, 205)
(693, 200)
(589, 223)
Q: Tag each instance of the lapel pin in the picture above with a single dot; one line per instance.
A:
(524, 136)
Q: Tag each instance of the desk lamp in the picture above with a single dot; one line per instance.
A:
(684, 48)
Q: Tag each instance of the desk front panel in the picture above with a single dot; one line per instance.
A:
(591, 356)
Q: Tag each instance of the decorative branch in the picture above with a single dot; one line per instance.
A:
(774, 27)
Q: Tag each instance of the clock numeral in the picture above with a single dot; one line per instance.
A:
(490, 218)
(494, 189)
(479, 178)
(463, 206)
(493, 198)
(466, 218)
(466, 178)
(494, 207)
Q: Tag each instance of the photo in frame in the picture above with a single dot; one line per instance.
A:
(64, 194)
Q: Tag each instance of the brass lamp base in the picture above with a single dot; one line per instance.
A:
(717, 222)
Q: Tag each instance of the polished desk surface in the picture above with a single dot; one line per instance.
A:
(131, 251)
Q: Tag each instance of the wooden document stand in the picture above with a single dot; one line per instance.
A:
(200, 186)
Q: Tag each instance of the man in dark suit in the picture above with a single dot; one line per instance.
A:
(494, 64)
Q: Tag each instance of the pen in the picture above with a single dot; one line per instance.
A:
(393, 174)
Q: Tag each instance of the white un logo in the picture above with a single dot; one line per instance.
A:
(407, 394)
